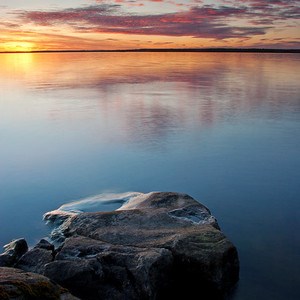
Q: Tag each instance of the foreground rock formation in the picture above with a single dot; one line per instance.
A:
(17, 284)
(156, 246)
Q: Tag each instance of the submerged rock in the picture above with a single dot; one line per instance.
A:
(17, 284)
(156, 246)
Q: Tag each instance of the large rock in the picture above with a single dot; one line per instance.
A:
(155, 246)
(19, 285)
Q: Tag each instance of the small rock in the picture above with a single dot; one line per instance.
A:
(34, 260)
(13, 251)
(44, 244)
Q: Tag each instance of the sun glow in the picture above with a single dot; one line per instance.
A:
(17, 64)
(19, 46)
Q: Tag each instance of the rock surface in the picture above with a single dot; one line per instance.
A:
(13, 251)
(156, 246)
(17, 284)
(35, 260)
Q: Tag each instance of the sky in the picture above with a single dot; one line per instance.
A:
(130, 24)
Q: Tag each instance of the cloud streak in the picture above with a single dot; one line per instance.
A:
(198, 22)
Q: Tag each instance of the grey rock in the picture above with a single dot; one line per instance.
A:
(13, 251)
(44, 244)
(92, 269)
(16, 247)
(35, 260)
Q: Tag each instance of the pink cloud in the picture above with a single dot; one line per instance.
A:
(198, 21)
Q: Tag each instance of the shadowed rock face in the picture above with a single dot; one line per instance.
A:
(17, 284)
(13, 251)
(156, 246)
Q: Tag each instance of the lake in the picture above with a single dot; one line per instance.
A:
(221, 127)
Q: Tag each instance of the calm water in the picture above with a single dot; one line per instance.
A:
(224, 128)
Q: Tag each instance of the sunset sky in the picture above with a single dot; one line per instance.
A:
(129, 24)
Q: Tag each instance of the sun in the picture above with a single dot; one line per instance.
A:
(19, 46)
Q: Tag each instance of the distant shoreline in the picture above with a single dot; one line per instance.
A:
(237, 50)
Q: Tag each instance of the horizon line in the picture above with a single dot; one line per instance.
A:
(262, 50)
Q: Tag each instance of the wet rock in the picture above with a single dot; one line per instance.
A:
(155, 246)
(35, 260)
(93, 269)
(17, 284)
(13, 251)
(6, 260)
(44, 244)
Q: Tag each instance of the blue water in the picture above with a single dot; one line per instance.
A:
(221, 127)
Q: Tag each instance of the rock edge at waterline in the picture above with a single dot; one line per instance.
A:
(156, 246)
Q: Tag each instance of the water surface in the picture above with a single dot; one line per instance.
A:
(222, 127)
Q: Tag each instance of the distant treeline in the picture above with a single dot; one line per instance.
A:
(250, 50)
